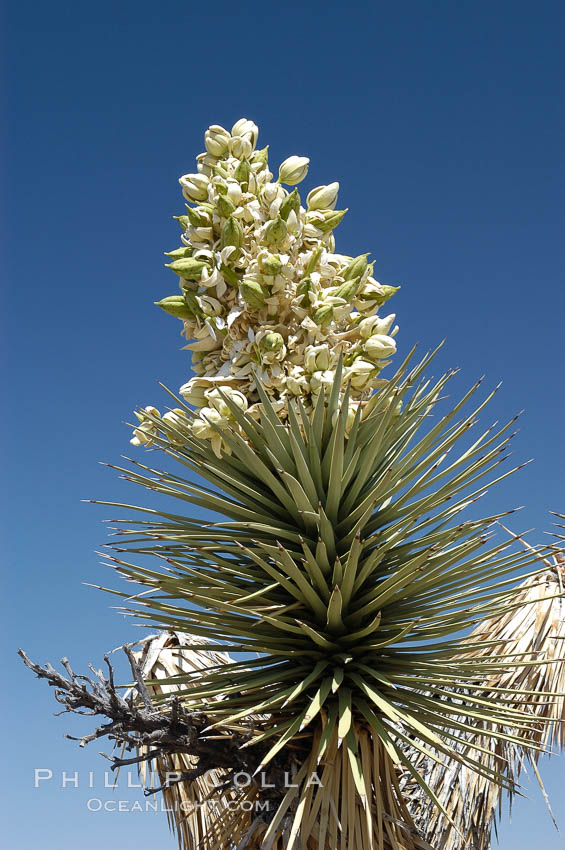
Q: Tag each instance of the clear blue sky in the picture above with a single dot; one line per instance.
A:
(443, 123)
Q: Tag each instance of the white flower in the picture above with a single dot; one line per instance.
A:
(271, 191)
(215, 399)
(317, 357)
(297, 382)
(194, 187)
(217, 140)
(322, 379)
(323, 197)
(241, 147)
(293, 170)
(202, 429)
(235, 192)
(213, 416)
(177, 416)
(380, 346)
(244, 127)
(193, 392)
(273, 302)
(205, 163)
(376, 325)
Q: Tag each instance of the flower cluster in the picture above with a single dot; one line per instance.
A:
(263, 294)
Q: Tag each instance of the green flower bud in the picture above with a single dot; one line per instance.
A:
(330, 220)
(290, 203)
(196, 218)
(271, 342)
(187, 267)
(304, 287)
(225, 206)
(387, 292)
(313, 261)
(269, 264)
(356, 267)
(183, 251)
(192, 302)
(275, 232)
(252, 293)
(229, 275)
(232, 233)
(261, 156)
(323, 315)
(242, 172)
(175, 305)
(220, 171)
(347, 290)
(183, 221)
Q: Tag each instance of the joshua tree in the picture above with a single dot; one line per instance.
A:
(343, 657)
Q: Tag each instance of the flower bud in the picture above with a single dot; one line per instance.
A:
(323, 197)
(198, 217)
(194, 187)
(232, 233)
(304, 287)
(175, 305)
(347, 290)
(374, 293)
(252, 293)
(269, 264)
(313, 261)
(225, 206)
(242, 172)
(229, 275)
(187, 267)
(275, 232)
(323, 315)
(293, 170)
(356, 267)
(184, 251)
(271, 342)
(380, 346)
(386, 293)
(290, 204)
(182, 220)
(261, 157)
(329, 221)
(217, 140)
(193, 302)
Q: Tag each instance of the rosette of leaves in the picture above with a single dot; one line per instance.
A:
(340, 577)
